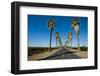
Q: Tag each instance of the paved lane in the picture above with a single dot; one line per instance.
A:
(63, 54)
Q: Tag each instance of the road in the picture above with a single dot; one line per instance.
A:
(63, 54)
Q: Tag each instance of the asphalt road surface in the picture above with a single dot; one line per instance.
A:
(63, 54)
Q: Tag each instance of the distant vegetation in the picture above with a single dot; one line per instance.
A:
(84, 48)
(36, 50)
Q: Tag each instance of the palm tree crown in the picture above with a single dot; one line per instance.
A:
(75, 22)
(75, 25)
(51, 24)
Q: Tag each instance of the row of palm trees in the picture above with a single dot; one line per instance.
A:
(75, 26)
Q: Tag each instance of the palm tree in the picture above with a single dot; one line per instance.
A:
(57, 35)
(76, 28)
(51, 25)
(59, 40)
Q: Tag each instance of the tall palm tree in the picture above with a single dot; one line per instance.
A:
(57, 35)
(51, 24)
(76, 28)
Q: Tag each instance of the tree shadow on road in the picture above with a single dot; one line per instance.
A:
(65, 55)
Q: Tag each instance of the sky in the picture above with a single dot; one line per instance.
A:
(39, 34)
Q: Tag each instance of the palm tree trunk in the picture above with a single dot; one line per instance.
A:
(71, 43)
(56, 42)
(78, 42)
(50, 40)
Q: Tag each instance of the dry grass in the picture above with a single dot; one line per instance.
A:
(37, 50)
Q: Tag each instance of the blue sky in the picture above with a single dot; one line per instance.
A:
(39, 34)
